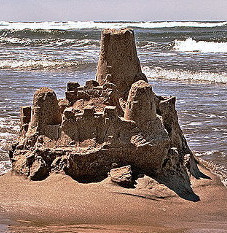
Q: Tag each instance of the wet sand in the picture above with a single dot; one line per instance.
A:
(60, 204)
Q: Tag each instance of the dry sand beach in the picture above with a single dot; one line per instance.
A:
(60, 204)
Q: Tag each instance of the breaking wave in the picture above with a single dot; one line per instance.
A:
(179, 75)
(70, 25)
(44, 64)
(190, 45)
(56, 42)
(35, 65)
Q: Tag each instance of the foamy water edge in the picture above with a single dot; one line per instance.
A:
(190, 45)
(178, 75)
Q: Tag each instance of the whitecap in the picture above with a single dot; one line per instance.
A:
(190, 45)
(179, 75)
(102, 25)
(39, 64)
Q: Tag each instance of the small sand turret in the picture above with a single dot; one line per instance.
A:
(141, 104)
(45, 112)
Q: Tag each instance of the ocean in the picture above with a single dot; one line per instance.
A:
(183, 59)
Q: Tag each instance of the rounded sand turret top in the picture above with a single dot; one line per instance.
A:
(45, 110)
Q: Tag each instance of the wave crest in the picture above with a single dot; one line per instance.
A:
(179, 75)
(70, 25)
(16, 41)
(40, 64)
(190, 45)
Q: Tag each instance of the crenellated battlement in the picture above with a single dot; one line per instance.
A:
(92, 89)
(89, 112)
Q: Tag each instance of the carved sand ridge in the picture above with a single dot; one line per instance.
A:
(115, 121)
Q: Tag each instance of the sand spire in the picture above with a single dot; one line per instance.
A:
(118, 61)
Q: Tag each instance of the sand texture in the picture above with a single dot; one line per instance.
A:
(60, 204)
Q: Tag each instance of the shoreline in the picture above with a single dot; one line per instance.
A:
(63, 202)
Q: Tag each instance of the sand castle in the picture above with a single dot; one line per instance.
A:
(116, 121)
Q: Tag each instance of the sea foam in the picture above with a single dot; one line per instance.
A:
(39, 64)
(179, 75)
(190, 45)
(102, 25)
